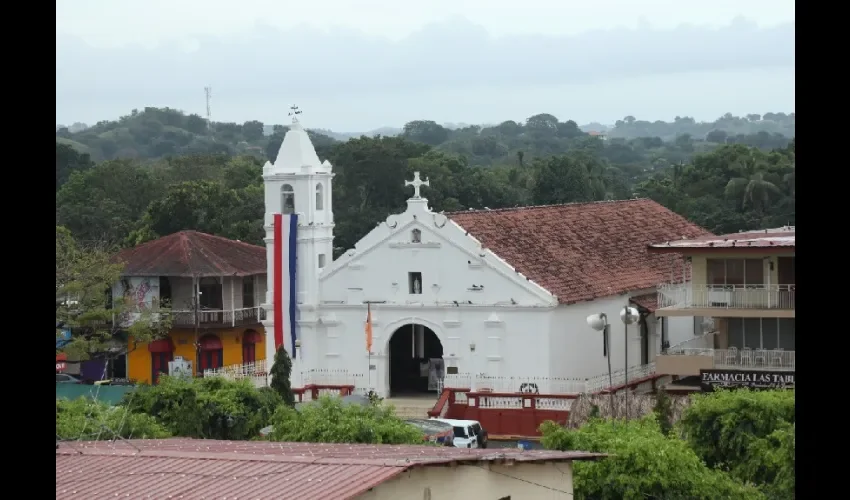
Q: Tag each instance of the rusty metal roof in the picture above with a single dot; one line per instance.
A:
(189, 468)
(766, 238)
(583, 251)
(191, 253)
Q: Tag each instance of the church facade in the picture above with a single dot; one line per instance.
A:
(502, 293)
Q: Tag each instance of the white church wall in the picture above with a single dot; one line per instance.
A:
(449, 262)
(508, 342)
(577, 350)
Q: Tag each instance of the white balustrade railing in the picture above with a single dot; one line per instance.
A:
(535, 385)
(691, 295)
(256, 371)
(701, 343)
(778, 359)
(603, 381)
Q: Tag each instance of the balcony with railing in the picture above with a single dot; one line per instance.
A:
(691, 296)
(221, 318)
(698, 353)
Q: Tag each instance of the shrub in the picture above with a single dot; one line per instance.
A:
(211, 408)
(644, 463)
(281, 373)
(329, 420)
(748, 433)
(90, 420)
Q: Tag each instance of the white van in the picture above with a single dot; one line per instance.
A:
(467, 433)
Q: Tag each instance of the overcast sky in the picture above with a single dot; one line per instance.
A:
(355, 65)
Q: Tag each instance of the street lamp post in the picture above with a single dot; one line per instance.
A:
(629, 315)
(599, 322)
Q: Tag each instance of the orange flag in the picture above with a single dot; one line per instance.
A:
(368, 327)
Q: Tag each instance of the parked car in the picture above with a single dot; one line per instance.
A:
(434, 431)
(64, 378)
(467, 433)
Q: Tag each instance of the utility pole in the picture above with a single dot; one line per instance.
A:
(208, 93)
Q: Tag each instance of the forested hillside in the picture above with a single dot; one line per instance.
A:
(158, 171)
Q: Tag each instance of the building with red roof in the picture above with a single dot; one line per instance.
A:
(196, 469)
(212, 287)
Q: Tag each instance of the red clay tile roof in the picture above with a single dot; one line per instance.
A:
(190, 253)
(188, 468)
(647, 301)
(583, 251)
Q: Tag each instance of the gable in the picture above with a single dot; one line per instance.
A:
(453, 267)
(583, 251)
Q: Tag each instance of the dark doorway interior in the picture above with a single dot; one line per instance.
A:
(413, 349)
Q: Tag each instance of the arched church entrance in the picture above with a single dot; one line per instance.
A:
(416, 361)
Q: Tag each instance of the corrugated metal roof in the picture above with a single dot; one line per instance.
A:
(191, 253)
(187, 468)
(767, 238)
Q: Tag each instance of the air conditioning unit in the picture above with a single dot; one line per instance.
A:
(180, 367)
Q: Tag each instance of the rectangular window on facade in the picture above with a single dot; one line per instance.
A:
(752, 333)
(321, 260)
(735, 332)
(414, 283)
(716, 270)
(248, 291)
(164, 290)
(210, 293)
(787, 337)
(734, 271)
(754, 272)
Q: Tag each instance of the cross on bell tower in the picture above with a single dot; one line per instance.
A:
(294, 112)
(417, 183)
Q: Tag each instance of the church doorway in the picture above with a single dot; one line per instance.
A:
(416, 361)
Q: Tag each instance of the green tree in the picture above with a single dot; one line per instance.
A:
(425, 131)
(563, 179)
(644, 463)
(209, 408)
(331, 421)
(104, 203)
(92, 420)
(252, 130)
(68, 161)
(85, 275)
(281, 373)
(744, 432)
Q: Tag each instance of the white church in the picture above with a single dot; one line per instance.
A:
(481, 293)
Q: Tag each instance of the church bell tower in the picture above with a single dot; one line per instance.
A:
(298, 183)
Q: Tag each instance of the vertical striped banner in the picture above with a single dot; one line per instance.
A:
(285, 292)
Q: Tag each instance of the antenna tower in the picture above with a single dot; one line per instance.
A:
(208, 93)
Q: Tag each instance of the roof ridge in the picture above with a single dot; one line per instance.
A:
(532, 207)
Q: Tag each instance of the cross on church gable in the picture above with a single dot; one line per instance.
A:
(417, 183)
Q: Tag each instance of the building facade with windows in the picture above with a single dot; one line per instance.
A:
(212, 288)
(744, 286)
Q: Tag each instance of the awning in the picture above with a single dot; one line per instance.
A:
(210, 343)
(647, 302)
(161, 345)
(61, 357)
(252, 337)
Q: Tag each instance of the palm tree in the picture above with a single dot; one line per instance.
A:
(753, 191)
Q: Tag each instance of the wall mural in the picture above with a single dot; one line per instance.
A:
(140, 294)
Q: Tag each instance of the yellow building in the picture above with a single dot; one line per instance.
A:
(742, 288)
(214, 288)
